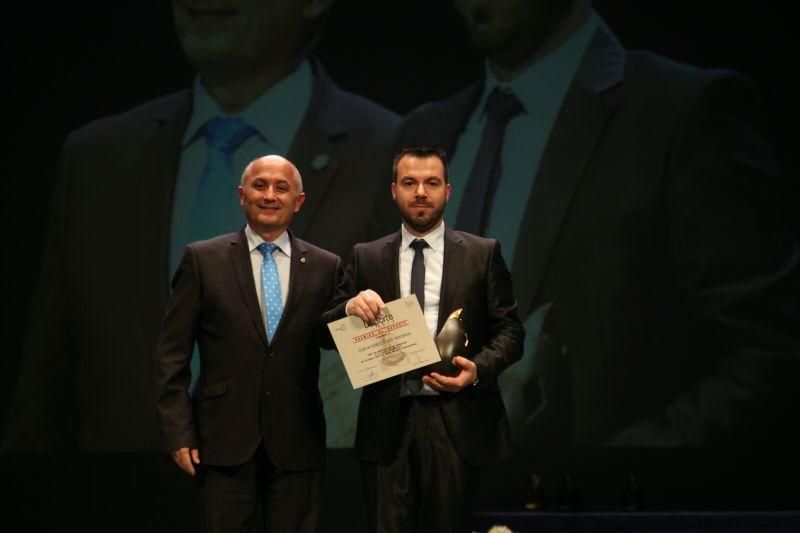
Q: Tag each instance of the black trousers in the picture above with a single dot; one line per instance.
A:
(426, 487)
(257, 497)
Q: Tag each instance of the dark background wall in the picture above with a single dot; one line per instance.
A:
(70, 63)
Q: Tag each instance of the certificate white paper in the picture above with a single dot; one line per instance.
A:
(398, 342)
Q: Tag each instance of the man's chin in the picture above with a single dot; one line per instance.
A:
(421, 225)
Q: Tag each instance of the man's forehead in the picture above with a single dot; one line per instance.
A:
(271, 175)
(420, 164)
(271, 170)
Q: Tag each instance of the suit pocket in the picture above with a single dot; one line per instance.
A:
(212, 391)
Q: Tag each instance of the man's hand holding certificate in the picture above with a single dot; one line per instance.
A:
(395, 341)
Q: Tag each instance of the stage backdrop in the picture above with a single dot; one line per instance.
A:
(649, 230)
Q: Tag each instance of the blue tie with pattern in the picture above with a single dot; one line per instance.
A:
(270, 288)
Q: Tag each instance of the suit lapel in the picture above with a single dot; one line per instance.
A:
(155, 171)
(451, 274)
(390, 256)
(297, 275)
(314, 149)
(243, 267)
(586, 110)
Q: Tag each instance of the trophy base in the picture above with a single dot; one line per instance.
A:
(445, 368)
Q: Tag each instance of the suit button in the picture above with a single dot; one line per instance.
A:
(270, 354)
(266, 391)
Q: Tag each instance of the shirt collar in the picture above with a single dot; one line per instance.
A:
(550, 72)
(275, 115)
(434, 238)
(283, 242)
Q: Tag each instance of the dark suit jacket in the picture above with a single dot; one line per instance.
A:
(248, 388)
(653, 229)
(86, 376)
(475, 278)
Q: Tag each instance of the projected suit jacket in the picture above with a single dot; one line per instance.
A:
(87, 376)
(655, 233)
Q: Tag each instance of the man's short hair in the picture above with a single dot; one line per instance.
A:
(421, 151)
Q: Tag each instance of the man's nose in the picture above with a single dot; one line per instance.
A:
(421, 191)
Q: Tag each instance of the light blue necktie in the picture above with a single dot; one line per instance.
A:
(270, 288)
(216, 207)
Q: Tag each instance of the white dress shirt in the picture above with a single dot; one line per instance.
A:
(282, 257)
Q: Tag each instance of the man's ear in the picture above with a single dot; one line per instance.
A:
(316, 8)
(299, 201)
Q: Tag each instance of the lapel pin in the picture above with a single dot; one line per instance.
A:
(320, 161)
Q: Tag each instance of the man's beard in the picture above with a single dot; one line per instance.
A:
(422, 225)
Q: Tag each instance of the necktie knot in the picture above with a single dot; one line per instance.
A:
(419, 244)
(502, 106)
(226, 134)
(267, 248)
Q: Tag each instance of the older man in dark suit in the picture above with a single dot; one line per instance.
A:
(254, 431)
(422, 438)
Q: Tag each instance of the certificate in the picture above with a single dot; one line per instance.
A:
(397, 342)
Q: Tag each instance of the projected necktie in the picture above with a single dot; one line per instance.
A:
(216, 208)
(270, 288)
(413, 379)
(476, 205)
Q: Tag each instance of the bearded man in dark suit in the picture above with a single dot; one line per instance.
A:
(422, 439)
